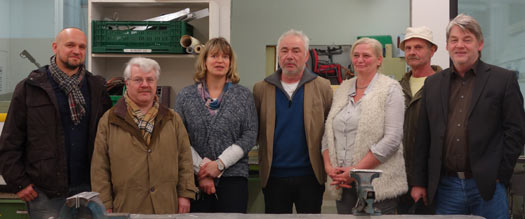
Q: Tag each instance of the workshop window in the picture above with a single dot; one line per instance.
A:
(503, 26)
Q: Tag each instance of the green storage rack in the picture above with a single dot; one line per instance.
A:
(158, 37)
(383, 39)
(114, 99)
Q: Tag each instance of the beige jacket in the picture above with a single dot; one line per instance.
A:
(132, 177)
(317, 100)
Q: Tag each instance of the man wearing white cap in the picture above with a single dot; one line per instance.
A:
(419, 48)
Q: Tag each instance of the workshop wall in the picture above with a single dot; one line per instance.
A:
(4, 40)
(256, 24)
(24, 24)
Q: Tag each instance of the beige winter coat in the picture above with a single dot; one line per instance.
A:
(132, 177)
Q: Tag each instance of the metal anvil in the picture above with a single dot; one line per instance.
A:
(365, 191)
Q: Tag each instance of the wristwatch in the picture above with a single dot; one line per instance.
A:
(220, 165)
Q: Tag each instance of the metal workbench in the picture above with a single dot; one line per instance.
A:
(294, 216)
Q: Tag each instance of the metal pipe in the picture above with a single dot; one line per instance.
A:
(189, 41)
(198, 48)
(189, 50)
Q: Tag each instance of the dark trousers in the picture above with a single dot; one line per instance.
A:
(407, 205)
(231, 196)
(304, 191)
(349, 200)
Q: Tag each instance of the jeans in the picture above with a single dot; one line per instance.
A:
(461, 196)
(42, 207)
(281, 193)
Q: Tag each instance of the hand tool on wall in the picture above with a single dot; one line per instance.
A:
(26, 55)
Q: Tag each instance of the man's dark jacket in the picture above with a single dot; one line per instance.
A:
(32, 147)
(496, 129)
(412, 108)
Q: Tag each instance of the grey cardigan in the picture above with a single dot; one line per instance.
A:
(235, 123)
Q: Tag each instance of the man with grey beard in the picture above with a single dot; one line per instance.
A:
(292, 106)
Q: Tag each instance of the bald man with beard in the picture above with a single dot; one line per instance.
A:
(47, 140)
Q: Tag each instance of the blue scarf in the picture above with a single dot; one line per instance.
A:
(212, 105)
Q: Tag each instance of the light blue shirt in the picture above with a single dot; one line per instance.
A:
(346, 121)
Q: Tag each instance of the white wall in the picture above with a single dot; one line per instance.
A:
(24, 24)
(4, 19)
(222, 24)
(435, 15)
(75, 14)
(256, 24)
(4, 43)
(32, 18)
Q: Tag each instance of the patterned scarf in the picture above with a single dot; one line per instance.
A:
(212, 105)
(70, 86)
(145, 122)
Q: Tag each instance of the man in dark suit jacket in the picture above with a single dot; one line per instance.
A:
(471, 130)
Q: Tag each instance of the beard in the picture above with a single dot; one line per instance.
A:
(286, 72)
(70, 65)
(293, 72)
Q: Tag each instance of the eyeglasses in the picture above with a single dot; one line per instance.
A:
(140, 80)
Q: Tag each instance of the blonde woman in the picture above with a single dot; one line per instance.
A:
(364, 130)
(221, 120)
